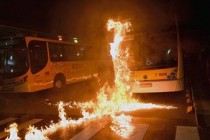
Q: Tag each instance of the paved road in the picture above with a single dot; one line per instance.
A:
(145, 128)
(42, 102)
(201, 94)
(37, 110)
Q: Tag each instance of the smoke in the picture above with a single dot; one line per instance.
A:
(87, 18)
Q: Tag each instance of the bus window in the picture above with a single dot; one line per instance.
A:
(79, 53)
(74, 52)
(70, 52)
(57, 52)
(151, 52)
(38, 55)
(65, 52)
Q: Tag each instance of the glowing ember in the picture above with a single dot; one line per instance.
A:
(110, 101)
(13, 132)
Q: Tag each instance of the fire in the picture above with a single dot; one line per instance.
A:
(13, 132)
(111, 102)
(117, 38)
(35, 134)
(122, 125)
(62, 114)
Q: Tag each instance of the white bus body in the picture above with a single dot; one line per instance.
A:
(156, 63)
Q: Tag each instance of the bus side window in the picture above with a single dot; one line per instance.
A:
(70, 52)
(76, 53)
(37, 55)
(57, 52)
(81, 53)
(65, 52)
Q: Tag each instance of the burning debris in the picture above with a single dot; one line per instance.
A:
(111, 102)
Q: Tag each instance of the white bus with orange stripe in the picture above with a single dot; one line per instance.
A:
(156, 63)
(29, 64)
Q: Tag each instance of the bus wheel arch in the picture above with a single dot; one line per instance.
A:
(59, 81)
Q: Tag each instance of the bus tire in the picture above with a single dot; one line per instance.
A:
(59, 82)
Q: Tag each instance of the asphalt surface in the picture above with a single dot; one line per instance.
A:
(37, 109)
(200, 87)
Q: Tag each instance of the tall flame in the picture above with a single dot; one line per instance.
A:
(121, 96)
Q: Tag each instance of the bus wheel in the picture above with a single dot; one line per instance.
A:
(59, 82)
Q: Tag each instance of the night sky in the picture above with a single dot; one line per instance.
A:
(87, 18)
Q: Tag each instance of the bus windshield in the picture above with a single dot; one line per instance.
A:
(152, 52)
(13, 57)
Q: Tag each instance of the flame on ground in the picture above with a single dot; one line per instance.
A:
(13, 132)
(111, 101)
(35, 134)
(122, 125)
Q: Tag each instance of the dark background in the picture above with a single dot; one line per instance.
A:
(87, 19)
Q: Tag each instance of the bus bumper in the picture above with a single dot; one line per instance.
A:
(157, 86)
